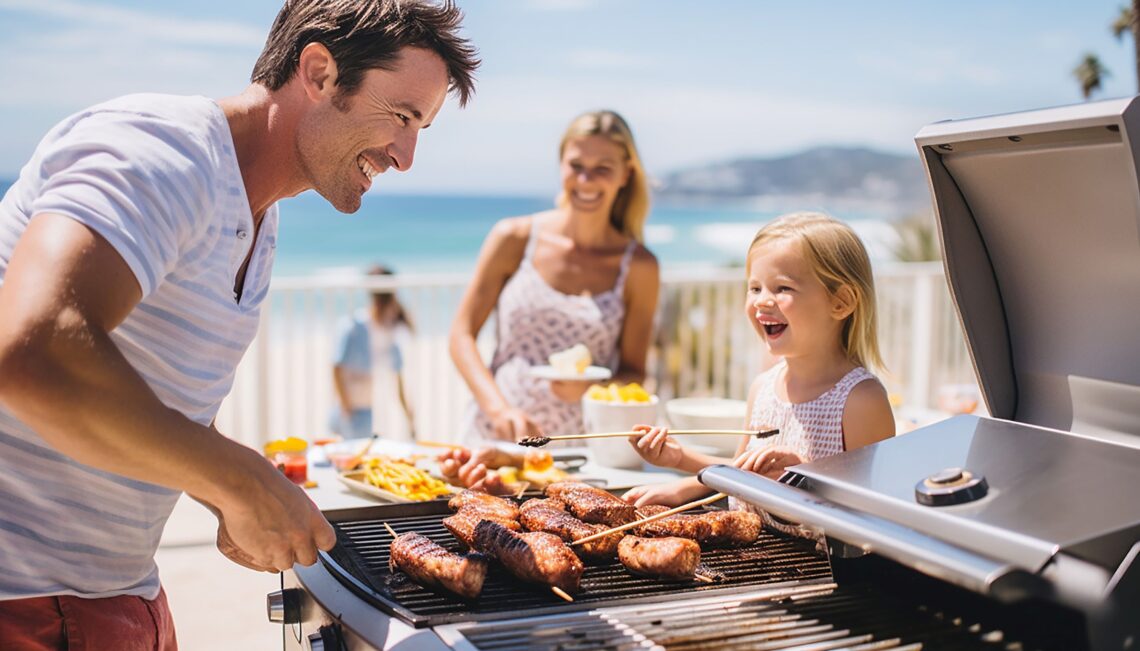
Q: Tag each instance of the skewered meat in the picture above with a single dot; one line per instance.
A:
(504, 509)
(712, 528)
(533, 556)
(432, 566)
(672, 559)
(462, 524)
(591, 504)
(550, 515)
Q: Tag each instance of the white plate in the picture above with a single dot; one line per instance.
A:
(591, 374)
(355, 481)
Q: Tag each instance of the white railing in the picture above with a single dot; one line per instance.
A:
(703, 346)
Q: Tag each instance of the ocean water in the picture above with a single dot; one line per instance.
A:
(443, 233)
(430, 234)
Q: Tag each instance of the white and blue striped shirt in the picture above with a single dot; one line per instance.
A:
(157, 177)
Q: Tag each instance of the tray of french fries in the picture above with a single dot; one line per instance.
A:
(395, 480)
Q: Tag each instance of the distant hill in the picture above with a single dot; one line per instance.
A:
(830, 178)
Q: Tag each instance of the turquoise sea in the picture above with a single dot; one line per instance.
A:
(443, 233)
(428, 234)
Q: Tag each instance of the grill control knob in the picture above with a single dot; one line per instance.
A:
(316, 642)
(326, 637)
(950, 486)
(284, 606)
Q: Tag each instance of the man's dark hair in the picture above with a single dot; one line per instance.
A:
(366, 34)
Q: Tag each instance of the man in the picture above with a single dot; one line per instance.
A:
(135, 249)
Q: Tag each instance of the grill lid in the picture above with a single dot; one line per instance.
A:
(1039, 219)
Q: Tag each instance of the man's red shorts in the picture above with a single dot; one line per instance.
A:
(66, 623)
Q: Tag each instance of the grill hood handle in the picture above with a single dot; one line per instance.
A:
(873, 534)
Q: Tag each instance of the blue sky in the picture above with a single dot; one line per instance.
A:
(698, 81)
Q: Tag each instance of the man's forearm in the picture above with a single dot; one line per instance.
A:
(78, 392)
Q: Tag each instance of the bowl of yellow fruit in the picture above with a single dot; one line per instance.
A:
(616, 408)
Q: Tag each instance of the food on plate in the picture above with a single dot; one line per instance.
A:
(432, 566)
(591, 504)
(712, 528)
(572, 361)
(672, 559)
(403, 479)
(612, 392)
(532, 556)
(550, 515)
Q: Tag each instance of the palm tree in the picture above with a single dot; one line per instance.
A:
(1128, 20)
(1090, 73)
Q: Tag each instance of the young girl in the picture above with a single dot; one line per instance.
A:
(811, 299)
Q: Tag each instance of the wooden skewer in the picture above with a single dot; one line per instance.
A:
(438, 444)
(561, 593)
(664, 514)
(391, 530)
(359, 456)
(539, 441)
(525, 485)
(703, 578)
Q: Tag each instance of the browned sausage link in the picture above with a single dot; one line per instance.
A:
(505, 509)
(462, 524)
(591, 504)
(550, 515)
(432, 566)
(535, 556)
(713, 528)
(672, 559)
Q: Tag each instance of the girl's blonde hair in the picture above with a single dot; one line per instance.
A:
(631, 206)
(839, 259)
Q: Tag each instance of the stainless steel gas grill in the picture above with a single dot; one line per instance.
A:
(1016, 532)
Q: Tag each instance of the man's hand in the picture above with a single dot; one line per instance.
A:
(273, 527)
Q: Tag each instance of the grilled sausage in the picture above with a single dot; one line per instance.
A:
(432, 566)
(533, 556)
(550, 515)
(671, 559)
(462, 524)
(712, 528)
(503, 509)
(591, 504)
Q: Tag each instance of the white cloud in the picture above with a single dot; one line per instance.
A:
(562, 5)
(155, 27)
(608, 60)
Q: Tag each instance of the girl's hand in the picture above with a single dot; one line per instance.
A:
(769, 462)
(569, 390)
(656, 446)
(512, 424)
(672, 494)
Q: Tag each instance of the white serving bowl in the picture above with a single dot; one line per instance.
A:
(606, 416)
(708, 413)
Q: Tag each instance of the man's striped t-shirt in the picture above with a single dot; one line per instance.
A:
(157, 177)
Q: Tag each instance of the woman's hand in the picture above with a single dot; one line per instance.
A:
(512, 424)
(474, 468)
(769, 462)
(656, 446)
(569, 390)
(672, 494)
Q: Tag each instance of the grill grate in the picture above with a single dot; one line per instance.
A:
(798, 618)
(361, 562)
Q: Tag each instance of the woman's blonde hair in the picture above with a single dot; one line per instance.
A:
(839, 259)
(631, 206)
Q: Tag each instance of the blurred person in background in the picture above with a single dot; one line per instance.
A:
(366, 351)
(576, 274)
(136, 249)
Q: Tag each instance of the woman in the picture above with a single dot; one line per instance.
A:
(576, 274)
(366, 340)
